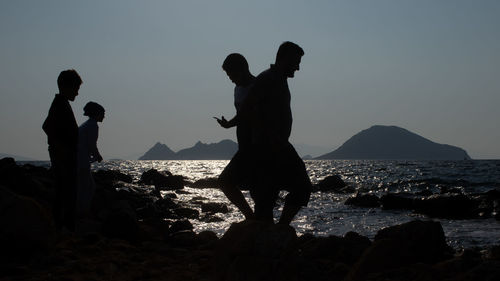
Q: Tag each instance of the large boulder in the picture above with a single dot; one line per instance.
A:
(402, 245)
(162, 180)
(333, 184)
(121, 222)
(26, 227)
(214, 207)
(110, 176)
(253, 250)
(453, 206)
(205, 183)
(27, 180)
(337, 249)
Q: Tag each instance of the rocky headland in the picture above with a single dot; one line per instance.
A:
(142, 231)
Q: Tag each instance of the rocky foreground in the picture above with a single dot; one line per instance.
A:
(135, 234)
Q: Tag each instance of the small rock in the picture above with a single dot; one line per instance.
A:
(214, 207)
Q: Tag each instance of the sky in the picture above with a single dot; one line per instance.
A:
(431, 67)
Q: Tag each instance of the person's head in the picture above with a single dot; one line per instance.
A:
(69, 83)
(236, 67)
(94, 110)
(288, 58)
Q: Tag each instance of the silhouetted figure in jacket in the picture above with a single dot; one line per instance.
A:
(278, 166)
(62, 135)
(238, 172)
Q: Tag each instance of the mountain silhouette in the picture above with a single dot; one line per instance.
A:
(391, 142)
(223, 150)
(158, 152)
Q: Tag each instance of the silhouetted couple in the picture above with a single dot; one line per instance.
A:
(266, 162)
(71, 150)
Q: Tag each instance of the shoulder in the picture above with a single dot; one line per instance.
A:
(264, 78)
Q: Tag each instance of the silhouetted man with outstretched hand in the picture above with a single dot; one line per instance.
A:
(276, 164)
(238, 171)
(62, 136)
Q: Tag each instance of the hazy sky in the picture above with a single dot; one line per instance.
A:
(432, 67)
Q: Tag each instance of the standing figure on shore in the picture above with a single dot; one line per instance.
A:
(62, 136)
(277, 164)
(238, 171)
(88, 153)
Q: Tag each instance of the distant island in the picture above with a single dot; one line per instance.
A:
(391, 142)
(377, 142)
(16, 157)
(223, 150)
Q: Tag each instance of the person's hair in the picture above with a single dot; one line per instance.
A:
(68, 78)
(288, 49)
(92, 109)
(235, 62)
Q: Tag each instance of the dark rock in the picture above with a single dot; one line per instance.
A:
(210, 218)
(207, 237)
(121, 222)
(180, 225)
(7, 162)
(364, 200)
(149, 211)
(190, 240)
(397, 201)
(187, 213)
(402, 245)
(162, 180)
(448, 206)
(154, 229)
(214, 207)
(494, 252)
(180, 191)
(253, 250)
(26, 228)
(171, 195)
(184, 239)
(28, 181)
(345, 249)
(205, 183)
(166, 204)
(330, 184)
(425, 192)
(110, 176)
(451, 190)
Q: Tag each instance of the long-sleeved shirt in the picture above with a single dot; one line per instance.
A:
(61, 128)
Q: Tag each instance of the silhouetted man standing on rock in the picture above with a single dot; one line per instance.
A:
(62, 135)
(276, 163)
(239, 169)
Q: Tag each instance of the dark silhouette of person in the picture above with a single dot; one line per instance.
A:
(88, 153)
(62, 136)
(238, 172)
(277, 164)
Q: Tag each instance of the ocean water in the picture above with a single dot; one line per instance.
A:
(326, 213)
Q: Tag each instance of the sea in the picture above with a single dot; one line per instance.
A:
(326, 213)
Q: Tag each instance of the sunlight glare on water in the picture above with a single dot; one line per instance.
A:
(326, 213)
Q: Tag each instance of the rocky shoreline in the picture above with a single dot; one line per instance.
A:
(135, 234)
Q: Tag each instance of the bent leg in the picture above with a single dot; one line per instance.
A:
(229, 178)
(235, 196)
(298, 185)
